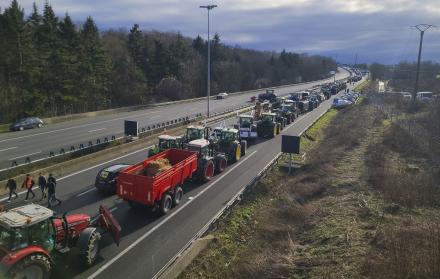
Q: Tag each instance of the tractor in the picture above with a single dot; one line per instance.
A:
(231, 145)
(166, 142)
(287, 112)
(209, 161)
(267, 126)
(247, 127)
(31, 238)
(280, 118)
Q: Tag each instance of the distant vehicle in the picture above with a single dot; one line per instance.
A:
(269, 95)
(424, 96)
(26, 123)
(223, 95)
(106, 178)
(340, 103)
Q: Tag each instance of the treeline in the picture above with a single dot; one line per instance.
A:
(403, 75)
(51, 66)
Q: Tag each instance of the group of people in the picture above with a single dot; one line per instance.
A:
(47, 187)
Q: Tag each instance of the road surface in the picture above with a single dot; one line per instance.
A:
(38, 143)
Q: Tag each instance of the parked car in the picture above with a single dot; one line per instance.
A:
(26, 123)
(106, 178)
(424, 96)
(223, 95)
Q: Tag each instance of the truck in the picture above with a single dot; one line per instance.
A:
(164, 190)
(32, 238)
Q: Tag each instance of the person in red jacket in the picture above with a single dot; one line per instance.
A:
(28, 183)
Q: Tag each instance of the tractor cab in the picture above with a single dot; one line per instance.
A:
(247, 127)
(196, 132)
(245, 120)
(201, 146)
(31, 235)
(268, 117)
(167, 142)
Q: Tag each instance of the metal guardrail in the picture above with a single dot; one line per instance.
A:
(97, 144)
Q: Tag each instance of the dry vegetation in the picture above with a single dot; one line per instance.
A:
(364, 205)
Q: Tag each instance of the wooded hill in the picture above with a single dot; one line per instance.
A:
(52, 66)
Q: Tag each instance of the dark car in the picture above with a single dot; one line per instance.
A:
(106, 178)
(26, 123)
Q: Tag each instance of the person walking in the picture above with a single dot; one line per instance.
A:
(42, 183)
(28, 183)
(51, 189)
(12, 186)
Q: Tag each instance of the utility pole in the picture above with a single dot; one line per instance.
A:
(355, 60)
(208, 8)
(422, 28)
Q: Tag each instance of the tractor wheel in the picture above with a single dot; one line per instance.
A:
(243, 145)
(21, 128)
(39, 125)
(36, 266)
(88, 244)
(221, 164)
(278, 127)
(166, 204)
(207, 171)
(272, 135)
(178, 194)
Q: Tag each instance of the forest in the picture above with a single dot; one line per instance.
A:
(52, 65)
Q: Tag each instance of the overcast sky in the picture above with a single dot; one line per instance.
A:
(375, 30)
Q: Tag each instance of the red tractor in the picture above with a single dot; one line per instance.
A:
(31, 237)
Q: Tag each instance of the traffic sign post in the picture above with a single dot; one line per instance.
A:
(291, 145)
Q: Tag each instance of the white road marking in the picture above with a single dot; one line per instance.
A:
(131, 246)
(27, 155)
(84, 170)
(1, 150)
(85, 192)
(113, 209)
(96, 130)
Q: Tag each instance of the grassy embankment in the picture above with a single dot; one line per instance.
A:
(364, 205)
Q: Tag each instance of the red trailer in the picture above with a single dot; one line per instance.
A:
(163, 189)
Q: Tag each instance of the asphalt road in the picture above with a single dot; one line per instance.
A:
(149, 242)
(38, 143)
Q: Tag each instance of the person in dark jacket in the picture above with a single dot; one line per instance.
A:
(12, 186)
(51, 187)
(42, 183)
(28, 183)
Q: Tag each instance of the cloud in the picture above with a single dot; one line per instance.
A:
(375, 30)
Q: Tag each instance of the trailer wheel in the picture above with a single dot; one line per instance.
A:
(165, 204)
(178, 194)
(36, 266)
(88, 245)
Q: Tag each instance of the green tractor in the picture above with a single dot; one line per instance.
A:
(267, 126)
(280, 118)
(166, 142)
(230, 144)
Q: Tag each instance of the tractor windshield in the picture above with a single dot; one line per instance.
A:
(13, 239)
(268, 117)
(167, 143)
(245, 122)
(194, 133)
(227, 136)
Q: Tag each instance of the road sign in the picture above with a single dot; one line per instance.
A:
(131, 128)
(290, 144)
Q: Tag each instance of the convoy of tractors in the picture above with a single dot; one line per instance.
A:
(31, 237)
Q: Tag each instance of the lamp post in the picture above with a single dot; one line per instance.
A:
(208, 8)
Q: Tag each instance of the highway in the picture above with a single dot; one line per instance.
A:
(149, 242)
(38, 143)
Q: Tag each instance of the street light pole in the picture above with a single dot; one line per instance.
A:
(422, 28)
(208, 8)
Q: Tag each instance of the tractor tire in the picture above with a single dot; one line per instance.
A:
(278, 128)
(39, 125)
(88, 245)
(220, 163)
(207, 171)
(165, 204)
(178, 194)
(243, 145)
(274, 133)
(235, 152)
(36, 266)
(21, 128)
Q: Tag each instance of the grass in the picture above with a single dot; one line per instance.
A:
(362, 86)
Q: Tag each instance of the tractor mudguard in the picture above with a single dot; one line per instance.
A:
(14, 257)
